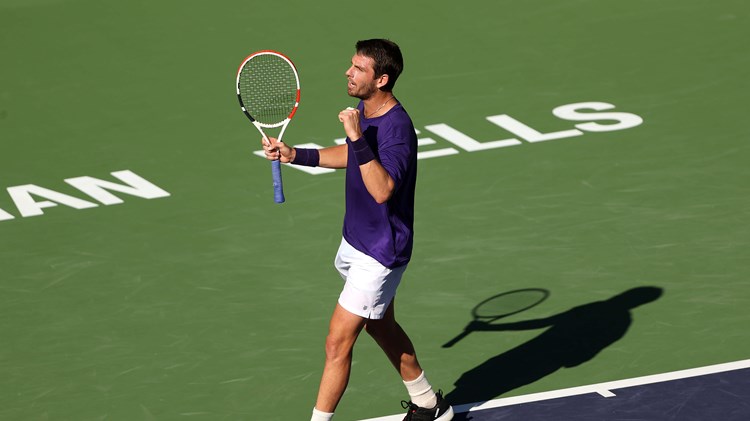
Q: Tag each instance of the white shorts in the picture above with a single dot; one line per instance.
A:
(369, 286)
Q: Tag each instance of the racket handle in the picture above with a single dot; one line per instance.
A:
(278, 188)
(455, 340)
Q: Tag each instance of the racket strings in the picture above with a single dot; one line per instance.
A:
(268, 87)
(509, 303)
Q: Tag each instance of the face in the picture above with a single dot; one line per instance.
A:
(361, 76)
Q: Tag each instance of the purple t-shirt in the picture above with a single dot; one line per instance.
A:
(384, 231)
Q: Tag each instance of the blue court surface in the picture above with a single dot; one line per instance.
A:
(714, 393)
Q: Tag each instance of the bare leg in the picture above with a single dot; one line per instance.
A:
(343, 332)
(395, 343)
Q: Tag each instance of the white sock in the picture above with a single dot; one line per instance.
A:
(321, 416)
(421, 392)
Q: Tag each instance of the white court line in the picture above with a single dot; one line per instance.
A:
(603, 389)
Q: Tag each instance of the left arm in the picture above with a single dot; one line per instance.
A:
(378, 182)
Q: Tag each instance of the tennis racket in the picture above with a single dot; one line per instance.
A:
(501, 305)
(268, 91)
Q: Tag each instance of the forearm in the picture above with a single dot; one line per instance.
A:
(331, 157)
(378, 182)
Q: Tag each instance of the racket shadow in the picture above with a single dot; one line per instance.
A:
(570, 338)
(498, 306)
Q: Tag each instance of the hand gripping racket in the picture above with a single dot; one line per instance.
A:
(501, 305)
(268, 91)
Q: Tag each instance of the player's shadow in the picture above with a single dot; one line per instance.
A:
(571, 338)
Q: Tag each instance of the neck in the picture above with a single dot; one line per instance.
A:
(379, 104)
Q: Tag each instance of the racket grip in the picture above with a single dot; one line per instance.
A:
(455, 340)
(278, 188)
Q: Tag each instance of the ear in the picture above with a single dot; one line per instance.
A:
(382, 80)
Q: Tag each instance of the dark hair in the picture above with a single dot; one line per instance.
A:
(387, 58)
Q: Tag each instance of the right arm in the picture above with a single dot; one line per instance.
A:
(330, 157)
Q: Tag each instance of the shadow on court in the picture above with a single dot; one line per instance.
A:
(571, 338)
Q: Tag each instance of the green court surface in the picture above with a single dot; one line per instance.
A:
(212, 303)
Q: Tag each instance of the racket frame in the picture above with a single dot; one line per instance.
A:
(490, 319)
(278, 187)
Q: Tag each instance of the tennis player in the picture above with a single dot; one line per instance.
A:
(380, 157)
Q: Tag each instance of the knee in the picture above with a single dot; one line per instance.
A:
(337, 348)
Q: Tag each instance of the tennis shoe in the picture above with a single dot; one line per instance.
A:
(441, 412)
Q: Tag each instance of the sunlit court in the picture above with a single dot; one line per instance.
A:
(581, 225)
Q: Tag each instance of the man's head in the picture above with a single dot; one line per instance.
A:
(387, 58)
(381, 61)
